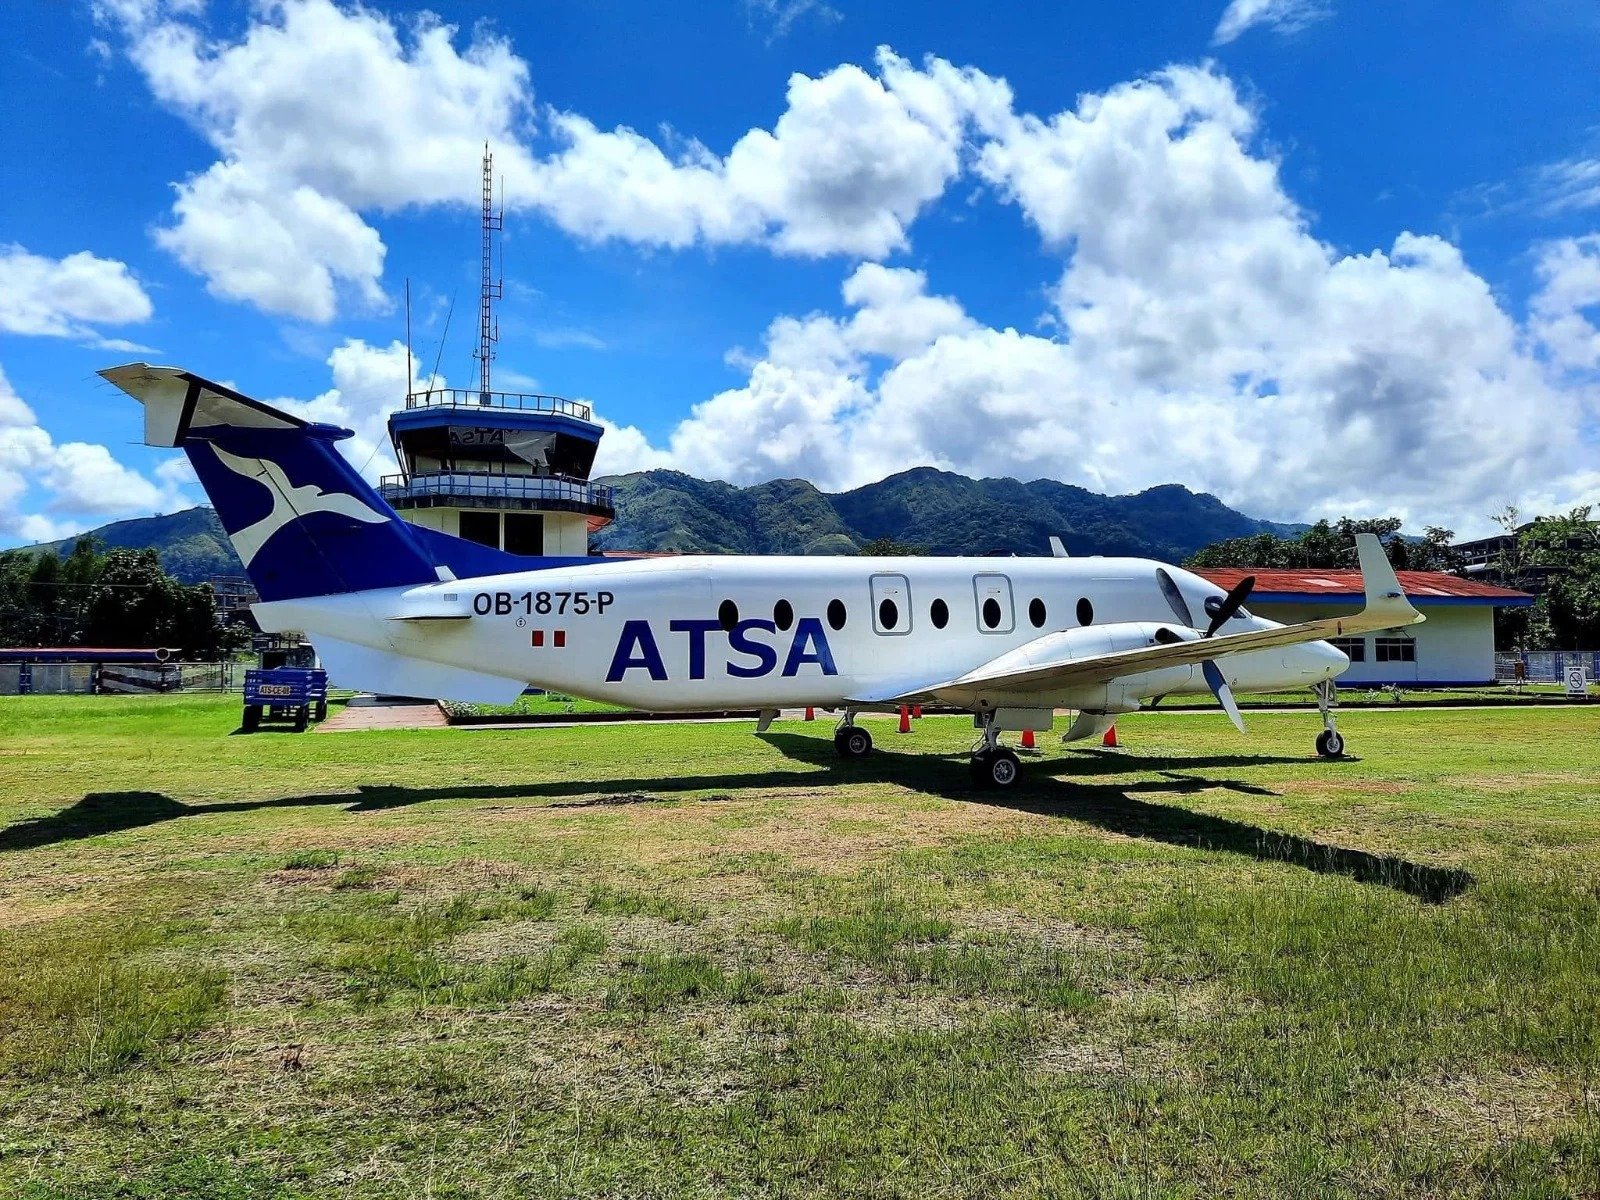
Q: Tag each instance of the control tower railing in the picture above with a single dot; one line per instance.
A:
(515, 401)
(549, 490)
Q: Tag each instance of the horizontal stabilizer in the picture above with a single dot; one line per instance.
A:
(390, 674)
(176, 401)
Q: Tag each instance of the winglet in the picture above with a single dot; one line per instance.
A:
(1058, 548)
(1384, 595)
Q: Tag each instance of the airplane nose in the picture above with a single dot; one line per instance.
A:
(1316, 661)
(1331, 659)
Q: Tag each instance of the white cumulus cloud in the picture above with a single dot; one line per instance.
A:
(1205, 335)
(49, 489)
(66, 297)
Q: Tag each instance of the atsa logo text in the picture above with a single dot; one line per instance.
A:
(749, 655)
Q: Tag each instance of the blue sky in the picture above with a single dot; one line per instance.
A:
(1314, 256)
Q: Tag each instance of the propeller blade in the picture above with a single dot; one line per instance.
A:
(1224, 694)
(1175, 600)
(1231, 603)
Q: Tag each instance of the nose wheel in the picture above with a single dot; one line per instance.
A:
(1330, 742)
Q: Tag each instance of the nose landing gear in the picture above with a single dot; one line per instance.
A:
(1330, 742)
(994, 765)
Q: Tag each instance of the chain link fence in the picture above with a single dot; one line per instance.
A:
(1544, 666)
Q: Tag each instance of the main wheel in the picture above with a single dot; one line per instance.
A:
(999, 768)
(852, 742)
(252, 718)
(1330, 744)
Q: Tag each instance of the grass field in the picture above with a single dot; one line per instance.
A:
(654, 960)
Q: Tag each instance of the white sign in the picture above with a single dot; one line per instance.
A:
(1577, 680)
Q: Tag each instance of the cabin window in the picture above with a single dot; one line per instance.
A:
(783, 614)
(939, 614)
(888, 613)
(481, 527)
(1085, 612)
(836, 614)
(1036, 612)
(1355, 649)
(727, 615)
(1395, 649)
(991, 612)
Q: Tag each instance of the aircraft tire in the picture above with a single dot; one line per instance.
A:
(999, 769)
(1330, 744)
(852, 742)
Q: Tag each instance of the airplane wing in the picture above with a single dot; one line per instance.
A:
(1386, 608)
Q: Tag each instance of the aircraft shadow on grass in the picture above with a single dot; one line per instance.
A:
(1055, 787)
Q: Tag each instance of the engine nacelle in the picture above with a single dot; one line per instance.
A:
(1071, 645)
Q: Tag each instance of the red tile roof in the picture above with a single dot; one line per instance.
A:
(1419, 585)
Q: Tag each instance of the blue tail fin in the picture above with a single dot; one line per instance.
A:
(302, 519)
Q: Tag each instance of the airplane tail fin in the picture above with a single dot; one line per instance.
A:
(302, 519)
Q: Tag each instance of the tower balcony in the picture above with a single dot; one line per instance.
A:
(470, 398)
(471, 489)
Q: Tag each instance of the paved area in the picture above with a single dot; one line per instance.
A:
(372, 712)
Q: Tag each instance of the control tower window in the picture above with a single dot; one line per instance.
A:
(524, 533)
(481, 527)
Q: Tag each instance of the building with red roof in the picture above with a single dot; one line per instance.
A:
(1454, 647)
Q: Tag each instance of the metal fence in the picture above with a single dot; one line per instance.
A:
(113, 678)
(1544, 666)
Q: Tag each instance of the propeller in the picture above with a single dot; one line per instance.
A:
(1221, 614)
(1231, 603)
(1224, 694)
(1175, 599)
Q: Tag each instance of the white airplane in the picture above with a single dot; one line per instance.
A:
(392, 607)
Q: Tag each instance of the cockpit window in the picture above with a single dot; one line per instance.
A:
(1213, 603)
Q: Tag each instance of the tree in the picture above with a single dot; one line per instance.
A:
(91, 599)
(1566, 550)
(886, 547)
(1331, 546)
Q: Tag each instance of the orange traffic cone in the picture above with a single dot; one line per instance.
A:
(905, 718)
(811, 714)
(916, 711)
(1110, 738)
(1027, 739)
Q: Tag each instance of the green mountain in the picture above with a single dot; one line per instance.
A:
(937, 511)
(191, 544)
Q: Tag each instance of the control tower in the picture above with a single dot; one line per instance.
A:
(503, 469)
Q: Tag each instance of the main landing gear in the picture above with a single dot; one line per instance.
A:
(850, 740)
(994, 765)
(1330, 742)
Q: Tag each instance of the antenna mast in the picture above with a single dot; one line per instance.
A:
(493, 289)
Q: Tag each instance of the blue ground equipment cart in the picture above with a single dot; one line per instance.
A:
(297, 694)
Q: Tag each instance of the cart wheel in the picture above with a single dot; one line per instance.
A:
(252, 718)
(302, 717)
(322, 711)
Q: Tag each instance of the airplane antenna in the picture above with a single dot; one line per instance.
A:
(493, 289)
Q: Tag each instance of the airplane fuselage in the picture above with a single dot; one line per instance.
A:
(703, 632)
